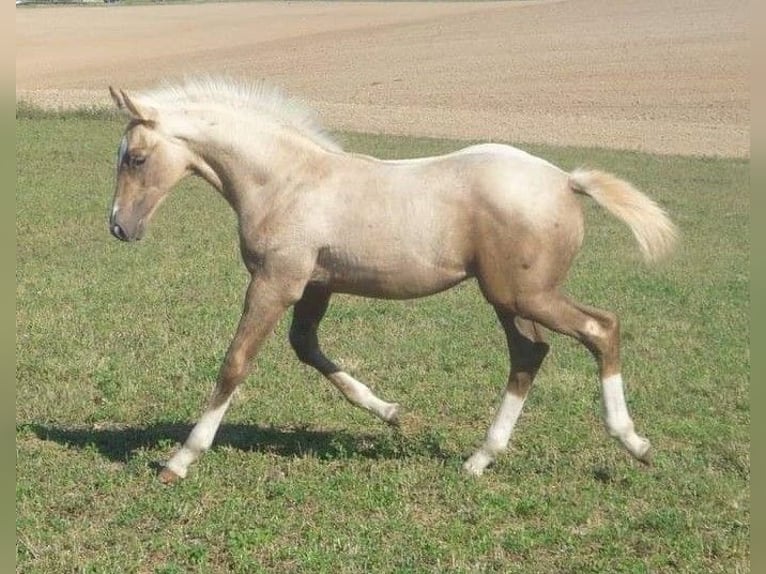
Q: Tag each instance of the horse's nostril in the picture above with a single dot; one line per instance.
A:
(118, 232)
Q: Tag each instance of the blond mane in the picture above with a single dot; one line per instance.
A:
(256, 98)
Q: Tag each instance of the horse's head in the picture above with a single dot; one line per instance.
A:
(149, 164)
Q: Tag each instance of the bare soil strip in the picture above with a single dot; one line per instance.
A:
(650, 75)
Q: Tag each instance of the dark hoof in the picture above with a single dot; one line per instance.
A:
(167, 476)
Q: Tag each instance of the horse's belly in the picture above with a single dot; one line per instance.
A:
(388, 277)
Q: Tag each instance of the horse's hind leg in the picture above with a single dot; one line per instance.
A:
(527, 351)
(307, 314)
(599, 331)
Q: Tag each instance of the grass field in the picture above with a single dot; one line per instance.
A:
(117, 346)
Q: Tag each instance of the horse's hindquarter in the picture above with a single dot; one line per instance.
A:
(529, 224)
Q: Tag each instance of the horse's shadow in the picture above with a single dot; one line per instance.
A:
(121, 443)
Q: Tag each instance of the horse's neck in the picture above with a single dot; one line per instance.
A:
(241, 162)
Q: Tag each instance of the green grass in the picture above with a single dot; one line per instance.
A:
(117, 346)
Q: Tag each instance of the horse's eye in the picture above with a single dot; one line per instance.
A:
(136, 160)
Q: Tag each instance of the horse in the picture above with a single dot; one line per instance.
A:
(314, 220)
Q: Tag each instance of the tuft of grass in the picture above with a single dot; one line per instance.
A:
(117, 347)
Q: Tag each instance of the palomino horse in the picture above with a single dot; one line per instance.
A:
(315, 220)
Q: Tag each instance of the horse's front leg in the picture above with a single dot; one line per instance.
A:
(264, 305)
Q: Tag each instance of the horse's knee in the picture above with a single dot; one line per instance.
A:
(233, 371)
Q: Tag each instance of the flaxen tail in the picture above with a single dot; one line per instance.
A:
(655, 232)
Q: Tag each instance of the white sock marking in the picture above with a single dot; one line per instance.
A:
(360, 395)
(617, 417)
(200, 439)
(498, 435)
(203, 433)
(618, 421)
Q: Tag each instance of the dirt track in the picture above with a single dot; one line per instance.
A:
(652, 75)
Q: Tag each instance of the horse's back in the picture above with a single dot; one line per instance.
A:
(493, 188)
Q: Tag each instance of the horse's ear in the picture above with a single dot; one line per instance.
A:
(138, 111)
(116, 98)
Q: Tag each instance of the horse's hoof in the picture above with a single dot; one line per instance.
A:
(646, 460)
(472, 470)
(644, 452)
(477, 463)
(646, 457)
(167, 476)
(392, 416)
